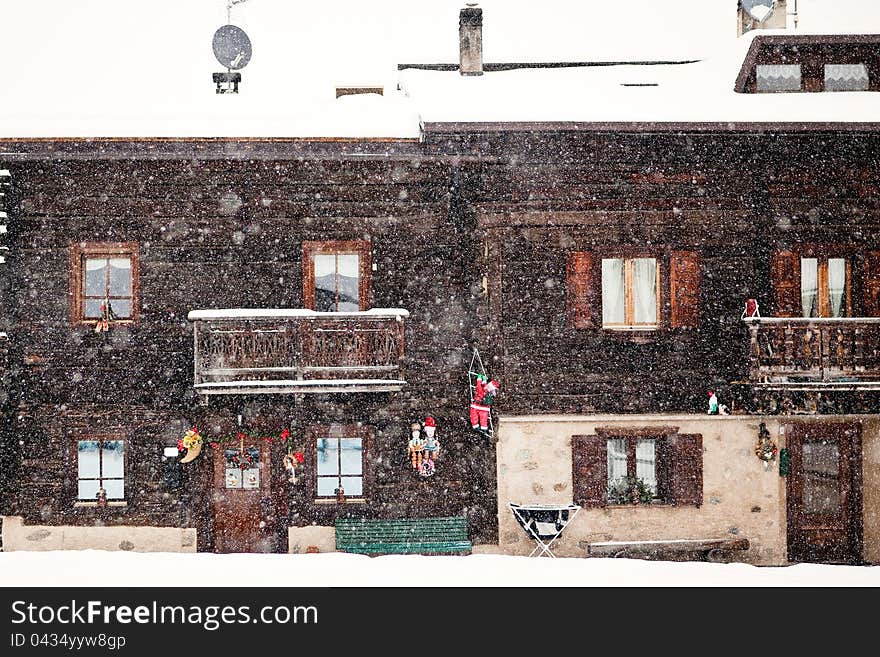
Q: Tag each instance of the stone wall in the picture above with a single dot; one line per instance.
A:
(740, 497)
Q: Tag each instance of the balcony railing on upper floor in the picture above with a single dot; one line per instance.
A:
(276, 351)
(839, 353)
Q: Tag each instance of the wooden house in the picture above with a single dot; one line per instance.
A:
(596, 231)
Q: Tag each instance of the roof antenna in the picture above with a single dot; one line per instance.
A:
(232, 48)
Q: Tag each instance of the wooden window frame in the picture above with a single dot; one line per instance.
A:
(337, 431)
(79, 252)
(361, 248)
(629, 292)
(74, 441)
(632, 436)
(824, 292)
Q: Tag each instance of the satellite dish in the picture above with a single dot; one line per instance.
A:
(232, 47)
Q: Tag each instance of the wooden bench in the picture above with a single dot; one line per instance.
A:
(444, 535)
(709, 549)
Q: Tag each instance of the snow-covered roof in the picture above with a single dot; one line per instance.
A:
(695, 92)
(103, 68)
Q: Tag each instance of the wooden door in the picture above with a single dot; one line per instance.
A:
(243, 513)
(824, 493)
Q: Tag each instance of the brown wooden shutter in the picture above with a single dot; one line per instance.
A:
(589, 470)
(684, 454)
(581, 295)
(785, 274)
(684, 288)
(871, 284)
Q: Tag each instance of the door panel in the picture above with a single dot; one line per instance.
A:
(824, 493)
(243, 499)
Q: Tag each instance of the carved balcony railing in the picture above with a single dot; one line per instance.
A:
(815, 353)
(253, 351)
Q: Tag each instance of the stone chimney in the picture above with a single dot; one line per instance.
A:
(470, 40)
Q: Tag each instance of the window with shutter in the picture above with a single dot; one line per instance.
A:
(815, 281)
(637, 465)
(785, 274)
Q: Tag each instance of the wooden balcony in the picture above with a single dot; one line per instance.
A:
(840, 353)
(277, 351)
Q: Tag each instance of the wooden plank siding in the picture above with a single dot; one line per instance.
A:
(470, 231)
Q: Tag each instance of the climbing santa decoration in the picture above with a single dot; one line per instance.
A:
(423, 447)
(482, 391)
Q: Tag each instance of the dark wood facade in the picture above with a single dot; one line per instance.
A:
(471, 231)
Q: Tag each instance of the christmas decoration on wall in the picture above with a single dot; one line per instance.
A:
(192, 443)
(293, 462)
(765, 449)
(751, 309)
(107, 316)
(714, 407)
(423, 447)
(482, 393)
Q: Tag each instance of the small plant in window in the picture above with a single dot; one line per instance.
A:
(630, 490)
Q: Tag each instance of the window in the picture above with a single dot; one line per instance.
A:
(630, 293)
(630, 289)
(621, 465)
(816, 281)
(336, 276)
(103, 279)
(340, 457)
(100, 464)
(824, 287)
(778, 77)
(846, 77)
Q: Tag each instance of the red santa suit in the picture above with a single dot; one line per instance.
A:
(483, 397)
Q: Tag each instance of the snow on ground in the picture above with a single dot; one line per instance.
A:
(159, 569)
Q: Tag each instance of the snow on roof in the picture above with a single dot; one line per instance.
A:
(102, 68)
(696, 92)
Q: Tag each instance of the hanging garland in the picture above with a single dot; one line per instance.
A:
(295, 458)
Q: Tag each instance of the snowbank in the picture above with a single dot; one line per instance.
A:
(100, 568)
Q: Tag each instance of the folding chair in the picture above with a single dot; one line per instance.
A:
(544, 522)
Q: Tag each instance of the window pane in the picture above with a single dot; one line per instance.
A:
(846, 77)
(353, 486)
(327, 486)
(352, 456)
(120, 277)
(810, 287)
(115, 489)
(121, 308)
(646, 462)
(325, 283)
(92, 309)
(233, 478)
(616, 460)
(87, 459)
(113, 459)
(837, 286)
(612, 291)
(778, 77)
(88, 490)
(645, 290)
(821, 464)
(96, 277)
(328, 456)
(349, 277)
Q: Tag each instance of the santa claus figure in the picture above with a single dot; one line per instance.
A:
(484, 395)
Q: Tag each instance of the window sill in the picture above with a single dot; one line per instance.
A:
(348, 500)
(637, 506)
(94, 505)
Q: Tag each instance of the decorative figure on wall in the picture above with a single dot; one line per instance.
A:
(292, 461)
(107, 316)
(713, 404)
(766, 448)
(415, 448)
(482, 394)
(192, 443)
(432, 443)
(751, 309)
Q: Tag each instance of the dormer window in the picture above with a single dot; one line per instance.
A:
(846, 77)
(778, 77)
